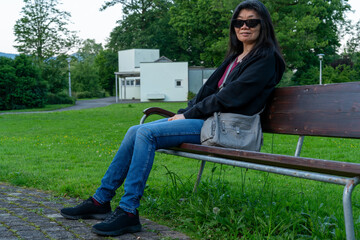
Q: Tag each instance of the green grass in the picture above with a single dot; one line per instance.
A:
(49, 107)
(67, 153)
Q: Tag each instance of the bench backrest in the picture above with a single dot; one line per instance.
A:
(331, 110)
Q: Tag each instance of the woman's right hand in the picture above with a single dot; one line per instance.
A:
(176, 117)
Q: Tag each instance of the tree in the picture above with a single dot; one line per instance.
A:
(107, 64)
(183, 30)
(89, 49)
(85, 73)
(20, 83)
(42, 30)
(339, 74)
(7, 80)
(202, 29)
(306, 28)
(145, 25)
(198, 29)
(353, 44)
(55, 73)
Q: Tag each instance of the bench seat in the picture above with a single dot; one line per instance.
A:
(344, 169)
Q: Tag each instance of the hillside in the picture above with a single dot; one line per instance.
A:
(8, 55)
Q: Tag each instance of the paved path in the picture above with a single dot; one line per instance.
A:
(33, 214)
(94, 103)
(83, 104)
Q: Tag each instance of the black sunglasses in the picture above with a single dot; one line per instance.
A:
(251, 23)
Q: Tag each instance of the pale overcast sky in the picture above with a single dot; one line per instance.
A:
(86, 17)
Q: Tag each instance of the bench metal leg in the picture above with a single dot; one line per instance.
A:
(349, 220)
(299, 146)
(199, 175)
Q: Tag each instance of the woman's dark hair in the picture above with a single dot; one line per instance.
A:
(266, 41)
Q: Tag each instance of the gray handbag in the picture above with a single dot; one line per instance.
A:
(232, 130)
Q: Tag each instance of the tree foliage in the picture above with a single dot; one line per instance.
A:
(21, 85)
(42, 30)
(353, 44)
(145, 25)
(107, 63)
(84, 72)
(202, 30)
(304, 28)
(55, 73)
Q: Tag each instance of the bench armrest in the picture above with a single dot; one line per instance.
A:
(155, 110)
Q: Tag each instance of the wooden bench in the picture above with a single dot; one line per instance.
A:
(318, 110)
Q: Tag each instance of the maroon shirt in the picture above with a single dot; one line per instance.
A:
(223, 76)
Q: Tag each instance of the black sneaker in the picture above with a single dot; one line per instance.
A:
(118, 223)
(87, 210)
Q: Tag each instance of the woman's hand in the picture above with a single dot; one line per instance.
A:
(176, 117)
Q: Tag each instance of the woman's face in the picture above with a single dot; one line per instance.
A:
(247, 35)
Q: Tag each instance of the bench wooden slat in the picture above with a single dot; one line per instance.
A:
(318, 110)
(344, 169)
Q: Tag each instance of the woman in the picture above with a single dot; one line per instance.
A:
(253, 66)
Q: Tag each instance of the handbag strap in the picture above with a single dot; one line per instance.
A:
(227, 74)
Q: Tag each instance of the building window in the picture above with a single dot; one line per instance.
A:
(137, 82)
(178, 83)
(129, 82)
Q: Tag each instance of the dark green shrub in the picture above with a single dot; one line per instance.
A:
(21, 84)
(7, 78)
(59, 98)
(191, 95)
(87, 94)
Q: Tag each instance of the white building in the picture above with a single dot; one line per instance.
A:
(142, 77)
(166, 81)
(129, 60)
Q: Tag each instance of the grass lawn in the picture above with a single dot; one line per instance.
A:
(67, 153)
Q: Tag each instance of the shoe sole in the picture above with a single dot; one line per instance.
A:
(131, 229)
(87, 216)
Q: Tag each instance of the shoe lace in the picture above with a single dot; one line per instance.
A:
(118, 212)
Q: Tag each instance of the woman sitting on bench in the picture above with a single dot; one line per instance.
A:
(252, 68)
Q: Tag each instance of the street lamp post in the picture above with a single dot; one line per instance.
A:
(321, 56)
(69, 60)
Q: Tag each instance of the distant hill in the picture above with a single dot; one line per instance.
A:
(8, 55)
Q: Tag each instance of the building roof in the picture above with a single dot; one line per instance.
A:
(163, 59)
(127, 74)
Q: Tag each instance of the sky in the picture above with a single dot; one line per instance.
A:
(86, 19)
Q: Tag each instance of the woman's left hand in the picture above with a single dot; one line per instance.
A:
(176, 117)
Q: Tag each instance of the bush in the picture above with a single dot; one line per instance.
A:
(21, 84)
(191, 95)
(87, 94)
(59, 98)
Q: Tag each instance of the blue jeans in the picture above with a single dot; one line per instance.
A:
(135, 158)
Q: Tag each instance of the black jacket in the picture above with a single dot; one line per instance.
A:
(245, 91)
